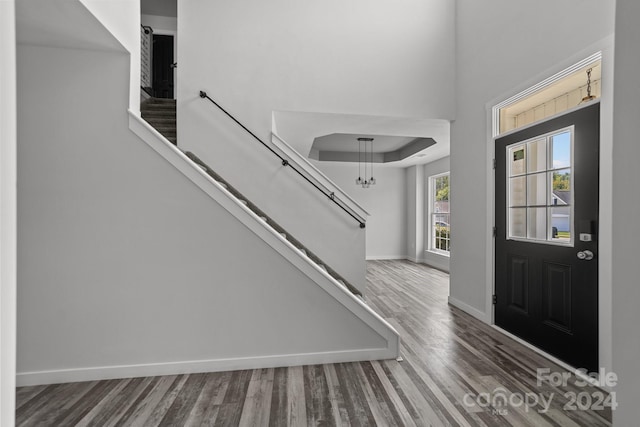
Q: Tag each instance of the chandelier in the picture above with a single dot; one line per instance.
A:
(366, 164)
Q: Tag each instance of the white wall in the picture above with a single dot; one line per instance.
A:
(127, 268)
(507, 46)
(373, 58)
(362, 57)
(415, 212)
(386, 203)
(162, 23)
(122, 19)
(626, 200)
(7, 212)
(432, 258)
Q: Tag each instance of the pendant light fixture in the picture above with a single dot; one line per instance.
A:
(367, 144)
(589, 97)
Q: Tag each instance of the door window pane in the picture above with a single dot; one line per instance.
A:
(537, 223)
(518, 191)
(518, 222)
(537, 155)
(562, 180)
(561, 223)
(561, 144)
(517, 165)
(539, 190)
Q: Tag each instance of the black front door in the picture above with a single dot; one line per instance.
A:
(163, 66)
(546, 267)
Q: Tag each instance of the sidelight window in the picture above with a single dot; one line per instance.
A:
(540, 188)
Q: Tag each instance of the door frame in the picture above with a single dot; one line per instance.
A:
(605, 310)
(173, 33)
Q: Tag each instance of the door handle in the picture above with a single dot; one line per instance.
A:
(585, 255)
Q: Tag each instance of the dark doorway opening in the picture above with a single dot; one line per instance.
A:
(163, 66)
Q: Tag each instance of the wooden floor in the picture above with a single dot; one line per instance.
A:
(450, 360)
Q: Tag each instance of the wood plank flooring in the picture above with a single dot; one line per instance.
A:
(447, 355)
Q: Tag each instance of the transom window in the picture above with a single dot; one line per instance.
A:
(440, 214)
(539, 188)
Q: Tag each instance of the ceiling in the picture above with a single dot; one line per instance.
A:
(345, 147)
(348, 142)
(413, 140)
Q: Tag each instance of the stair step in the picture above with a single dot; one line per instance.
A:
(158, 109)
(161, 121)
(160, 101)
(244, 202)
(165, 129)
(323, 267)
(283, 235)
(157, 114)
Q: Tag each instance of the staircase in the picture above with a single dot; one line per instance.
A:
(161, 114)
(274, 225)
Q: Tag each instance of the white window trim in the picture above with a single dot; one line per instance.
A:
(431, 198)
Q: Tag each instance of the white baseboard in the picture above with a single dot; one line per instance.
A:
(469, 310)
(198, 366)
(383, 257)
(555, 360)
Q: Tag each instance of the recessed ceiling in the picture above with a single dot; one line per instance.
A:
(301, 129)
(345, 147)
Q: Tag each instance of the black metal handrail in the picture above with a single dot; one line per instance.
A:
(331, 196)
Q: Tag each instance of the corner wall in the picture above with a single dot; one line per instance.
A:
(626, 203)
(122, 19)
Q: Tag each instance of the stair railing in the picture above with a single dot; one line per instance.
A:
(330, 195)
(146, 58)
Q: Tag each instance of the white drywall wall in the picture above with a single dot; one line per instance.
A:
(7, 212)
(123, 262)
(385, 202)
(122, 19)
(365, 57)
(415, 215)
(429, 257)
(508, 46)
(362, 57)
(162, 23)
(626, 204)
